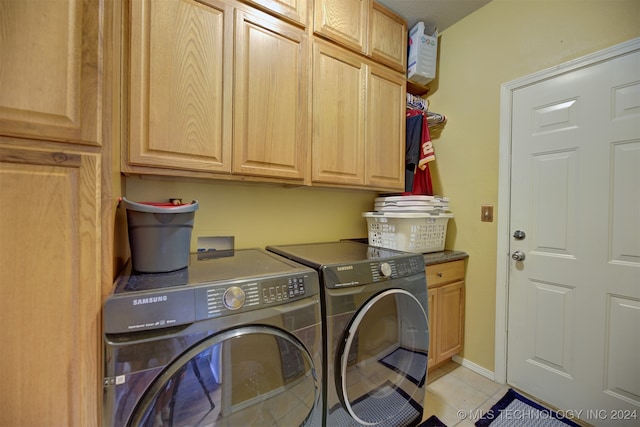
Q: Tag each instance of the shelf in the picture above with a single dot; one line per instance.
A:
(416, 89)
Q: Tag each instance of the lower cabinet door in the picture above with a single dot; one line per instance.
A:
(450, 322)
(446, 310)
(49, 287)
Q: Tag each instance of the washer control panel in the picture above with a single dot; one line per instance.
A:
(217, 300)
(211, 287)
(279, 292)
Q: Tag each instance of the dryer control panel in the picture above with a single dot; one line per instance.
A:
(362, 273)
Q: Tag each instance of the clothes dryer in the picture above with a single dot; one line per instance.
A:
(376, 331)
(226, 341)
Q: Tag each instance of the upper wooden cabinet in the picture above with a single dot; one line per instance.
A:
(296, 11)
(221, 89)
(180, 85)
(385, 126)
(366, 27)
(343, 21)
(50, 78)
(358, 121)
(388, 37)
(271, 102)
(217, 89)
(338, 143)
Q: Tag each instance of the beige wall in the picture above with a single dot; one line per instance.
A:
(505, 40)
(261, 214)
(501, 42)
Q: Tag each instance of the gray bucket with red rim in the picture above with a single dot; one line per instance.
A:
(159, 234)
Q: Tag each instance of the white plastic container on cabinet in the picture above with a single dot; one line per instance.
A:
(423, 54)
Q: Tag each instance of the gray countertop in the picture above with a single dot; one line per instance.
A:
(444, 256)
(430, 258)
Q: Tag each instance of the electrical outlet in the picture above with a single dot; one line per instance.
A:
(486, 214)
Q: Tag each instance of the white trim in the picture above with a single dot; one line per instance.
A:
(504, 188)
(474, 367)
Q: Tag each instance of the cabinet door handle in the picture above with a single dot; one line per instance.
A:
(439, 274)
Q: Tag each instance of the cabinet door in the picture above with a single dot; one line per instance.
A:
(388, 38)
(271, 100)
(339, 79)
(49, 287)
(180, 88)
(385, 129)
(50, 78)
(294, 10)
(343, 21)
(450, 321)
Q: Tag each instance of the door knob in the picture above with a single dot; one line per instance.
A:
(518, 256)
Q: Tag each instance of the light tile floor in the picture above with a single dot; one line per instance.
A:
(458, 396)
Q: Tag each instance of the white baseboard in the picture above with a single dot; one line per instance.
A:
(475, 367)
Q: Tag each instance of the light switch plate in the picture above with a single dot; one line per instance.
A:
(486, 214)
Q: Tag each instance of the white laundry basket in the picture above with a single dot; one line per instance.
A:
(408, 231)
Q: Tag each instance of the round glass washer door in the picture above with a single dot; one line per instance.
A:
(382, 360)
(252, 375)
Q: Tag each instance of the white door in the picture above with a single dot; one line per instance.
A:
(574, 300)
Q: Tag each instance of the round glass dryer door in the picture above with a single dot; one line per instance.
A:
(383, 360)
(249, 376)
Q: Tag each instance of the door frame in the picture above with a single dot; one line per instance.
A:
(503, 259)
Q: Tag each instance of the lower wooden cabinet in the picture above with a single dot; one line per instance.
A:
(50, 279)
(446, 310)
